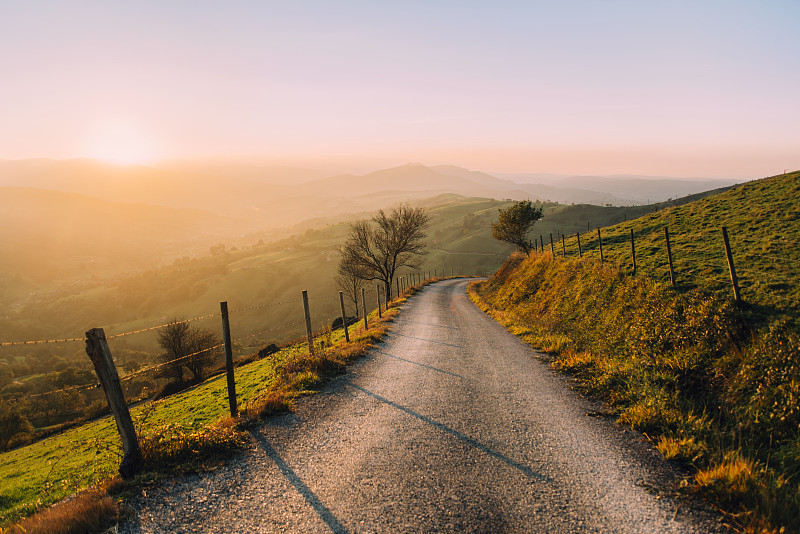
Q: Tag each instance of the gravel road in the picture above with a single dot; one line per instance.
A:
(451, 425)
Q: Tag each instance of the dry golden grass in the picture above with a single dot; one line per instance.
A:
(682, 449)
(304, 373)
(713, 385)
(88, 512)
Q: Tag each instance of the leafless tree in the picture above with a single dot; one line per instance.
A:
(376, 248)
(194, 348)
(349, 282)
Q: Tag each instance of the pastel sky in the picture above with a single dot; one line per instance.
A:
(684, 88)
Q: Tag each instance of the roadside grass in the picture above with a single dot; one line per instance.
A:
(188, 431)
(712, 384)
(711, 387)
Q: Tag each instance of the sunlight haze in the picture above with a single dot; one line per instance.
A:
(668, 88)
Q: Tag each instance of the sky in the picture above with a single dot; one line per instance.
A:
(699, 88)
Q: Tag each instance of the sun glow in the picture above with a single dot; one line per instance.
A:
(121, 142)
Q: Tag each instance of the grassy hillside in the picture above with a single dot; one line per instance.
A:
(713, 384)
(262, 285)
(257, 275)
(182, 431)
(763, 221)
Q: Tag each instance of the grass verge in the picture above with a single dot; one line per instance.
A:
(712, 385)
(188, 431)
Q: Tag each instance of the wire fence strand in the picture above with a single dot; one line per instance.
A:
(151, 328)
(39, 342)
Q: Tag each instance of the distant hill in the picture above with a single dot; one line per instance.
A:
(643, 190)
(629, 189)
(51, 235)
(228, 195)
(259, 274)
(281, 196)
(415, 177)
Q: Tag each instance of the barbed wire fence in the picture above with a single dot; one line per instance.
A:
(141, 382)
(700, 257)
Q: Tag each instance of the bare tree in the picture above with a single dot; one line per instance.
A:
(515, 222)
(204, 351)
(349, 282)
(194, 348)
(174, 338)
(375, 249)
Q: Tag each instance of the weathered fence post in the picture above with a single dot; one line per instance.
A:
(100, 354)
(552, 246)
(564, 245)
(344, 317)
(633, 252)
(541, 241)
(580, 252)
(734, 278)
(398, 286)
(669, 257)
(226, 336)
(600, 240)
(308, 323)
(364, 307)
(378, 294)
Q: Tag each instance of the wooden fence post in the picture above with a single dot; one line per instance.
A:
(669, 257)
(580, 252)
(600, 240)
(100, 354)
(308, 323)
(364, 307)
(633, 252)
(378, 294)
(226, 335)
(344, 317)
(734, 278)
(398, 285)
(552, 246)
(564, 245)
(541, 241)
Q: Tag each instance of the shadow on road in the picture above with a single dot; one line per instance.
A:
(427, 340)
(466, 439)
(300, 486)
(417, 363)
(433, 325)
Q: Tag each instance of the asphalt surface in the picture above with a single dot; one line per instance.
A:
(451, 425)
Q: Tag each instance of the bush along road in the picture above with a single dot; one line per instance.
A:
(450, 425)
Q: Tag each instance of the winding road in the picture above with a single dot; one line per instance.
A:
(451, 425)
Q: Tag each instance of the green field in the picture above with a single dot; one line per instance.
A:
(46, 471)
